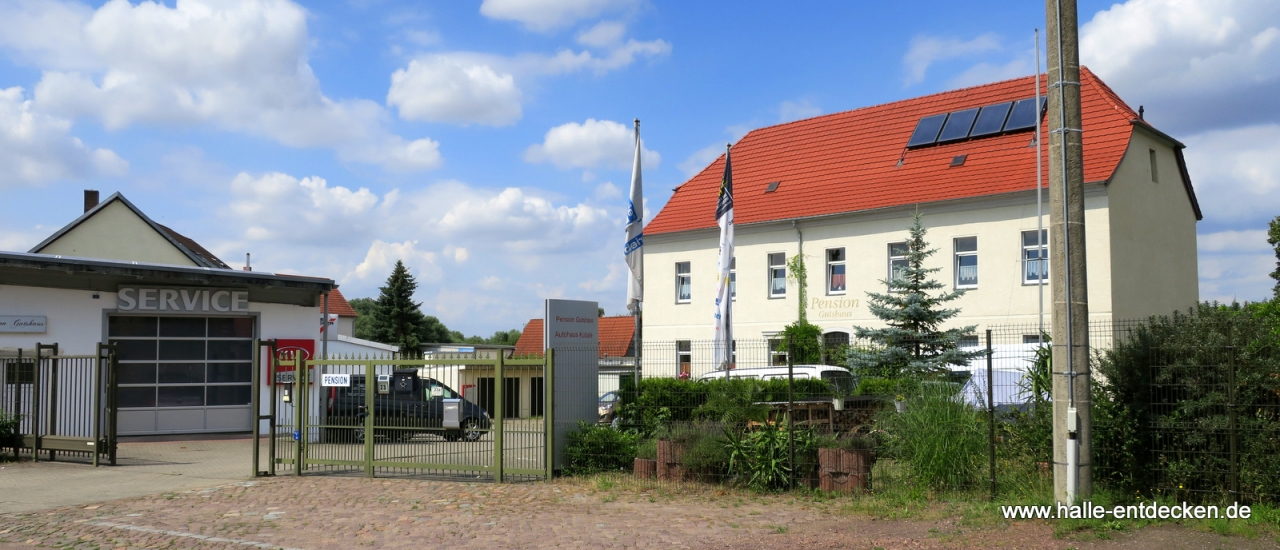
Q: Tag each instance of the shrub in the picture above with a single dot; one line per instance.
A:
(659, 402)
(760, 459)
(941, 438)
(593, 448)
(647, 448)
(706, 450)
(8, 426)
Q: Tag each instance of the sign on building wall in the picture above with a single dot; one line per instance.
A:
(571, 328)
(22, 323)
(212, 301)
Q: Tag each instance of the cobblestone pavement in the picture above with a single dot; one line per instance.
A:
(335, 512)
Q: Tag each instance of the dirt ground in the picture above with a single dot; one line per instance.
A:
(346, 512)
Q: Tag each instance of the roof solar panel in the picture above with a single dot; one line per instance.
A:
(958, 125)
(991, 119)
(927, 130)
(1023, 116)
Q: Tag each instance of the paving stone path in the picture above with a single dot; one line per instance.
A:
(336, 512)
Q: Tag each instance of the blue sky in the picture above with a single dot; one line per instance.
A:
(486, 143)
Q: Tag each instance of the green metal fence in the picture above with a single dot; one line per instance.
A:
(456, 415)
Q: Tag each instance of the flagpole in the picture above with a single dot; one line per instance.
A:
(633, 252)
(724, 291)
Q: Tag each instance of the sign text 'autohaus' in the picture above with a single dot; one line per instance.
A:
(182, 299)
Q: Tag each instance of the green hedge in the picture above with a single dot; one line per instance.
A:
(658, 402)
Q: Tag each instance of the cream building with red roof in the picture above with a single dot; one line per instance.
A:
(843, 188)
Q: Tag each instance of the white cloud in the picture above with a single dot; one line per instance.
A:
(1195, 64)
(477, 88)
(36, 148)
(1247, 241)
(382, 256)
(460, 255)
(603, 34)
(522, 223)
(926, 50)
(238, 66)
(592, 144)
(700, 159)
(984, 72)
(443, 88)
(279, 207)
(796, 110)
(1236, 173)
(546, 15)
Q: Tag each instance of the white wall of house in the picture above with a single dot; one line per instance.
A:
(1000, 297)
(116, 233)
(1153, 232)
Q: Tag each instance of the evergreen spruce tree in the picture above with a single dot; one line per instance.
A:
(912, 344)
(397, 319)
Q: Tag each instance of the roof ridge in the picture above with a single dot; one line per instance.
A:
(887, 103)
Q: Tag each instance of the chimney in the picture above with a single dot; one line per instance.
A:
(247, 265)
(90, 199)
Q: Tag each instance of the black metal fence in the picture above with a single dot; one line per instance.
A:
(58, 406)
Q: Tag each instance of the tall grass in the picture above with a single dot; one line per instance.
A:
(941, 439)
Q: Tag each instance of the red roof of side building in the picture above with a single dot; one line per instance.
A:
(848, 162)
(616, 335)
(338, 304)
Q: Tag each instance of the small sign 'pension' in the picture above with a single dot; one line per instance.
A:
(339, 380)
(22, 323)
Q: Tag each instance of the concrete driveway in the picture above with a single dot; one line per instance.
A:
(145, 466)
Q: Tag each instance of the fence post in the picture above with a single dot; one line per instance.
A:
(549, 408)
(991, 419)
(52, 420)
(271, 426)
(370, 387)
(791, 403)
(256, 404)
(35, 407)
(498, 395)
(113, 403)
(1231, 412)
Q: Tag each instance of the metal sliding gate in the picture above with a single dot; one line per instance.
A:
(458, 416)
(64, 405)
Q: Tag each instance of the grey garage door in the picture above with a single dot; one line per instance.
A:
(181, 374)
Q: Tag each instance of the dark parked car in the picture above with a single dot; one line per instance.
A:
(410, 406)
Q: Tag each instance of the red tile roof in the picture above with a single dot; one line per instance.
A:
(847, 162)
(615, 337)
(530, 342)
(338, 304)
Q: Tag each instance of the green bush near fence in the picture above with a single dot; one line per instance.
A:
(8, 426)
(659, 402)
(594, 448)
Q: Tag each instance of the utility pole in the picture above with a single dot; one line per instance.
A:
(1072, 474)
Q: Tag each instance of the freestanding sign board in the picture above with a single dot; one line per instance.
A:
(572, 330)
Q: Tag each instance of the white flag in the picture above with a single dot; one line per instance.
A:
(723, 357)
(633, 250)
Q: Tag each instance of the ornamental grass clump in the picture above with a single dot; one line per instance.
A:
(941, 438)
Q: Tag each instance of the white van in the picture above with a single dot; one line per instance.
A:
(838, 376)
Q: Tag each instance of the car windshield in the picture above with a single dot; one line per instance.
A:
(609, 397)
(840, 380)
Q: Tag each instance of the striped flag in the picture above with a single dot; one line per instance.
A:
(723, 357)
(633, 250)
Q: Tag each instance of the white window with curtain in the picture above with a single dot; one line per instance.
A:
(966, 262)
(1035, 257)
(684, 283)
(897, 260)
(777, 275)
(835, 271)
